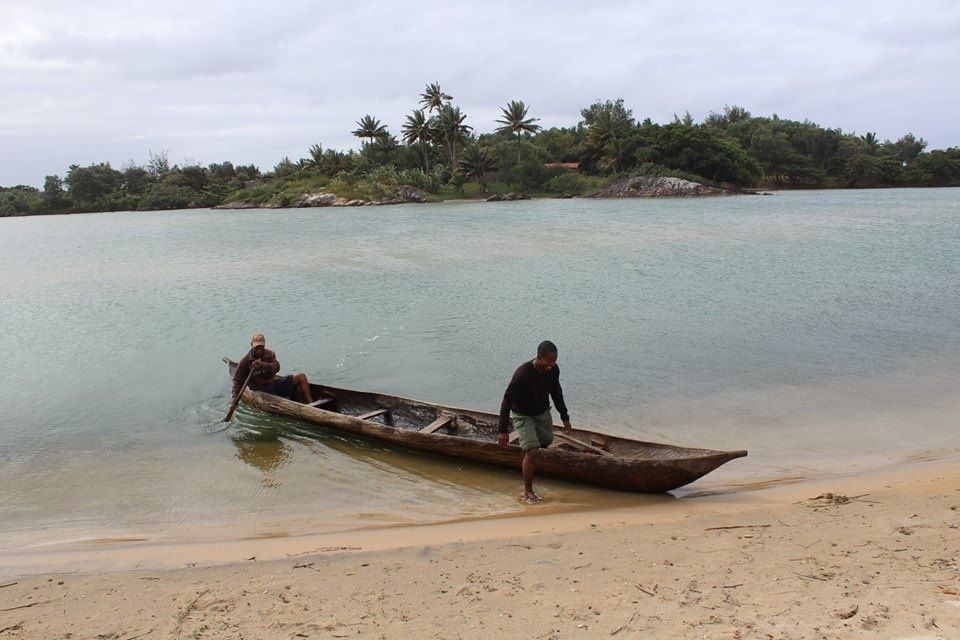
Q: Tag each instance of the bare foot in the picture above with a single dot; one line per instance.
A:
(529, 497)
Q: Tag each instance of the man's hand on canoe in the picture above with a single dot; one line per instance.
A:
(567, 427)
(503, 440)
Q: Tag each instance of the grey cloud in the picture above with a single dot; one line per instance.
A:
(254, 82)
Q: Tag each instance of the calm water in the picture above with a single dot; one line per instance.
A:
(819, 330)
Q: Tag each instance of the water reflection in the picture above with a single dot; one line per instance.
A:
(425, 474)
(264, 450)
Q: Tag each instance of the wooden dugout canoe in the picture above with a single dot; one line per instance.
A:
(583, 456)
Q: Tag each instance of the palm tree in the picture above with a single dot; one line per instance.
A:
(385, 147)
(607, 133)
(450, 123)
(515, 121)
(418, 130)
(433, 97)
(872, 142)
(315, 161)
(476, 163)
(369, 127)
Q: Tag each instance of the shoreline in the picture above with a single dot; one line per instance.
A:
(762, 190)
(830, 557)
(125, 550)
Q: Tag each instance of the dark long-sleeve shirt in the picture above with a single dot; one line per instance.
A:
(264, 376)
(529, 393)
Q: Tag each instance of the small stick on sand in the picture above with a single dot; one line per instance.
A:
(9, 584)
(738, 526)
(649, 593)
(26, 606)
(624, 625)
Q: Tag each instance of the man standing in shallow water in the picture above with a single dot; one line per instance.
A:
(526, 403)
(265, 367)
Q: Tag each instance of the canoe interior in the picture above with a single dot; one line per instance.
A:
(413, 415)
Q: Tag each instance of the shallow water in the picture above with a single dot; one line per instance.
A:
(819, 330)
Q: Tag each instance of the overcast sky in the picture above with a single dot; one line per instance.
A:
(252, 82)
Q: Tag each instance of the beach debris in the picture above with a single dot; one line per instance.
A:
(651, 592)
(9, 584)
(905, 531)
(833, 498)
(13, 627)
(738, 526)
(323, 550)
(190, 608)
(848, 612)
(625, 624)
(949, 591)
(464, 590)
(26, 606)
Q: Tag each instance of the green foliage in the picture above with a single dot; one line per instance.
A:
(567, 183)
(20, 200)
(705, 152)
(476, 164)
(369, 128)
(514, 121)
(608, 147)
(907, 148)
(939, 168)
(440, 154)
(530, 175)
(90, 186)
(54, 197)
(160, 196)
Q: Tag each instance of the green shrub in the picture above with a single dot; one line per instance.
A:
(565, 184)
(164, 196)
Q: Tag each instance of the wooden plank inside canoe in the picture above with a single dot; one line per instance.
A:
(321, 402)
(439, 423)
(373, 414)
(583, 445)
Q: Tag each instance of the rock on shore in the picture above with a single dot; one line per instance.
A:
(405, 194)
(508, 197)
(655, 187)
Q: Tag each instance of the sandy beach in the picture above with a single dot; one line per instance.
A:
(866, 556)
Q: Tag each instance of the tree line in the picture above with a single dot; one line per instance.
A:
(440, 153)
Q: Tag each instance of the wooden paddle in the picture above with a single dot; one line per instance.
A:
(236, 401)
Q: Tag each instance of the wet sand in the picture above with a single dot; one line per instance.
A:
(867, 556)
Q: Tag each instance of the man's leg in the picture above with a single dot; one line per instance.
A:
(529, 469)
(300, 380)
(527, 431)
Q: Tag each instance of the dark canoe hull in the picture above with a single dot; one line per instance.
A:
(626, 465)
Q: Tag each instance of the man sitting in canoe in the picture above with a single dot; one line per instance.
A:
(265, 367)
(526, 403)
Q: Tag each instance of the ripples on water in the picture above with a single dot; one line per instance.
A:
(817, 330)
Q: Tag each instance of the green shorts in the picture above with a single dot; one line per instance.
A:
(534, 431)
